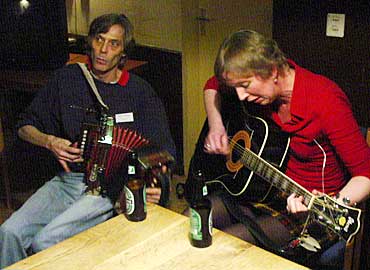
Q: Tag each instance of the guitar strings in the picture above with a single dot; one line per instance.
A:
(322, 208)
(295, 187)
(290, 184)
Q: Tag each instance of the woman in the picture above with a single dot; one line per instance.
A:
(326, 141)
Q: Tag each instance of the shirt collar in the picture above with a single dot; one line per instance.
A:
(298, 105)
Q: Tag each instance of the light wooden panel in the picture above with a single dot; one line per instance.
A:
(159, 242)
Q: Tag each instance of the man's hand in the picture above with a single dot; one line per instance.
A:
(153, 194)
(61, 148)
(64, 151)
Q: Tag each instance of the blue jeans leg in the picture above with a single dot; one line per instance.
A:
(85, 213)
(53, 198)
(333, 257)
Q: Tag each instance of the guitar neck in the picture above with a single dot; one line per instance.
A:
(274, 176)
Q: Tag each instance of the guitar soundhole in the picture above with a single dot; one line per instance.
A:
(237, 151)
(238, 144)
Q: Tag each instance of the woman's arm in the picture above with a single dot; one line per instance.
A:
(216, 141)
(355, 191)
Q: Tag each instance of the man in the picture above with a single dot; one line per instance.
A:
(61, 208)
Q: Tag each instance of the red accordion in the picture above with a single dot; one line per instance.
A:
(104, 150)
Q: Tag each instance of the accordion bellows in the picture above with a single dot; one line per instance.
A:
(104, 157)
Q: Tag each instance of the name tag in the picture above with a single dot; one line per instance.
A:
(124, 117)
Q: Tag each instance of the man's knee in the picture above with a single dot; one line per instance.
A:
(9, 231)
(40, 242)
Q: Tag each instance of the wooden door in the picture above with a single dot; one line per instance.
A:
(205, 24)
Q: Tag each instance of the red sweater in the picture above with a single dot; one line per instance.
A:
(322, 112)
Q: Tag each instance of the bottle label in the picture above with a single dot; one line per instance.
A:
(144, 198)
(195, 225)
(210, 224)
(130, 201)
(131, 169)
(205, 191)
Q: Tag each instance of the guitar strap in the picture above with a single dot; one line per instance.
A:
(252, 226)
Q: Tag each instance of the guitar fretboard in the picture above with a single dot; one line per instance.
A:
(271, 174)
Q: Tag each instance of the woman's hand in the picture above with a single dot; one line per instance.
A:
(295, 203)
(216, 141)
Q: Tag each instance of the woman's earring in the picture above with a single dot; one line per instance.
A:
(275, 80)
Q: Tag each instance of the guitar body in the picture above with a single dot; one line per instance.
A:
(227, 172)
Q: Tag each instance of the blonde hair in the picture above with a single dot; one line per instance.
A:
(247, 52)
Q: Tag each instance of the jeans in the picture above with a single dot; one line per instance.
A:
(333, 257)
(57, 211)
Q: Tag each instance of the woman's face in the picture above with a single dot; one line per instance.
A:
(253, 88)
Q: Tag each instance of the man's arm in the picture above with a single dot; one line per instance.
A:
(61, 148)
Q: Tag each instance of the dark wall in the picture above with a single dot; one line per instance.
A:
(33, 38)
(299, 27)
(164, 73)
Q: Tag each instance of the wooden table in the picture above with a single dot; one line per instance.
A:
(158, 242)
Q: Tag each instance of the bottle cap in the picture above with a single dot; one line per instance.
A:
(195, 187)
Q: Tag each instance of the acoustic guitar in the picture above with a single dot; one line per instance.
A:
(253, 171)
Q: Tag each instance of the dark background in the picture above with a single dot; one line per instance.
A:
(33, 39)
(299, 27)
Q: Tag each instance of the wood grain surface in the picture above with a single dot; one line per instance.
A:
(159, 242)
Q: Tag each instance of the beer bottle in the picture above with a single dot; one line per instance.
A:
(200, 214)
(134, 190)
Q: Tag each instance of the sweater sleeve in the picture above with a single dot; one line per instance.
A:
(154, 120)
(43, 112)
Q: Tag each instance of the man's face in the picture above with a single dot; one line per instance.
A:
(107, 50)
(252, 88)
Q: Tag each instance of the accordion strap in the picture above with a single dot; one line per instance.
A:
(90, 80)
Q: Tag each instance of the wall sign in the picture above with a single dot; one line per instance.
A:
(335, 25)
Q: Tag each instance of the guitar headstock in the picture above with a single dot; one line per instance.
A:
(342, 219)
